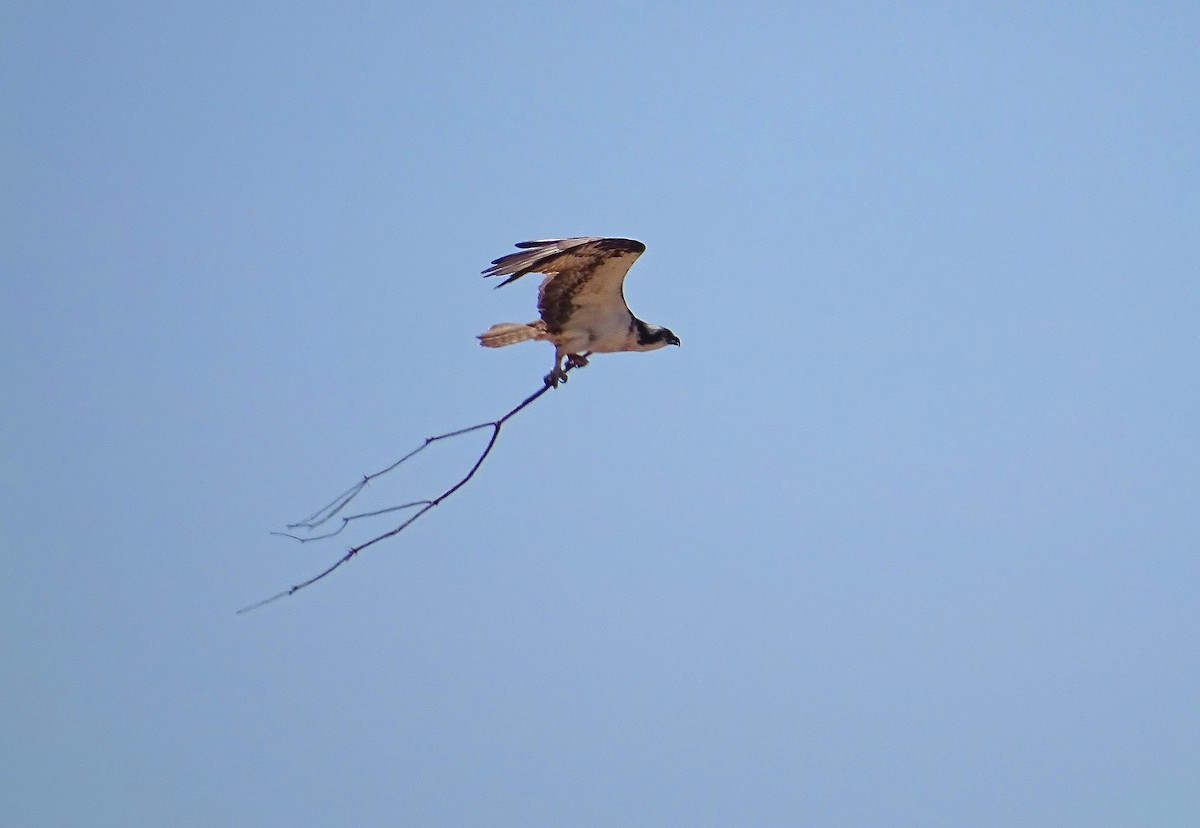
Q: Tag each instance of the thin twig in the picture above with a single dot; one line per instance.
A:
(340, 502)
(345, 522)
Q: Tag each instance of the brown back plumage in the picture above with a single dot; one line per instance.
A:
(579, 271)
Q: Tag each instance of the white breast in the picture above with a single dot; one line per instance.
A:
(597, 329)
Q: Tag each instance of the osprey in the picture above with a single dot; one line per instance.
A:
(581, 301)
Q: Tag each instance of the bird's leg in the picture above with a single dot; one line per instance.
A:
(558, 374)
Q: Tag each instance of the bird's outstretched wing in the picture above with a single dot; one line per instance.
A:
(585, 271)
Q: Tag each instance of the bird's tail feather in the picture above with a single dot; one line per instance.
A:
(510, 333)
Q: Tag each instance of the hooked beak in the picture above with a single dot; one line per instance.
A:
(673, 339)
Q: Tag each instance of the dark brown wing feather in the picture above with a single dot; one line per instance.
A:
(541, 256)
(586, 270)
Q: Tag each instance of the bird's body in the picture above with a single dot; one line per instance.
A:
(581, 301)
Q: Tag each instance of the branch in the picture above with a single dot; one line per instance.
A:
(334, 508)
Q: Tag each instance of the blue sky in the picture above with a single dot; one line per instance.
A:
(905, 533)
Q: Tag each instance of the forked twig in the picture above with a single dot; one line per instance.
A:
(334, 508)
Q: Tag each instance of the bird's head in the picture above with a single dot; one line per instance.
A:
(652, 337)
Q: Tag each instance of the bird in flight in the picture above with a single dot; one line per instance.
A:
(581, 301)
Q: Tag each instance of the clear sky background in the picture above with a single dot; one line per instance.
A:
(907, 532)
